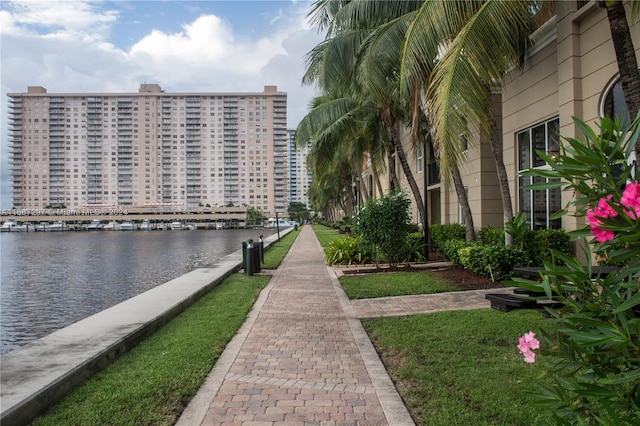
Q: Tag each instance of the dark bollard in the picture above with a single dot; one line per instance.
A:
(261, 248)
(250, 258)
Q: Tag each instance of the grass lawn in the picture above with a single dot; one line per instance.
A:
(325, 234)
(386, 284)
(277, 251)
(461, 367)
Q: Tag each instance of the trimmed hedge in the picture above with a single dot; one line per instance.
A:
(441, 233)
(489, 257)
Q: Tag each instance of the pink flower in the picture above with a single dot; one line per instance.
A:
(631, 195)
(602, 235)
(526, 344)
(602, 211)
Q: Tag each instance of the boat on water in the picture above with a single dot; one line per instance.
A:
(127, 225)
(42, 227)
(25, 227)
(280, 223)
(9, 225)
(145, 225)
(176, 225)
(112, 226)
(95, 225)
(58, 226)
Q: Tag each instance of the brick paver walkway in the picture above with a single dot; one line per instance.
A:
(302, 358)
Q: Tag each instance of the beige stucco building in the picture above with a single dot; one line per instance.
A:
(569, 72)
(149, 149)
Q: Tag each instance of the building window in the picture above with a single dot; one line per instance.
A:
(612, 103)
(538, 205)
(419, 153)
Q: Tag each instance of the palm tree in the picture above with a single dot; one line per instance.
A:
(625, 54)
(468, 35)
(340, 131)
(376, 85)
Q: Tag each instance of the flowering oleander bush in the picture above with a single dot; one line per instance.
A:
(527, 344)
(595, 335)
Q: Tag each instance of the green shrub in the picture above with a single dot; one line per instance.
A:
(345, 251)
(383, 224)
(413, 228)
(441, 233)
(547, 240)
(414, 247)
(452, 248)
(493, 261)
(491, 235)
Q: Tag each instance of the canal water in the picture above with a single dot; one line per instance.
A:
(49, 280)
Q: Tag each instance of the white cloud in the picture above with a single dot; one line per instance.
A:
(65, 46)
(68, 16)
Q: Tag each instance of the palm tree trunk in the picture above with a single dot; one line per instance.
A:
(394, 137)
(626, 57)
(376, 178)
(393, 176)
(464, 203)
(408, 174)
(496, 149)
(364, 194)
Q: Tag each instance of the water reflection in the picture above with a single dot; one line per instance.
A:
(51, 280)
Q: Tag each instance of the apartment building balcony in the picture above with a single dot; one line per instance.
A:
(15, 128)
(15, 134)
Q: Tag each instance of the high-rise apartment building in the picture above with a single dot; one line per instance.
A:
(299, 175)
(150, 149)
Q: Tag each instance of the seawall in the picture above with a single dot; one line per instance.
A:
(37, 375)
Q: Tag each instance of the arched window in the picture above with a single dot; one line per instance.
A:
(612, 102)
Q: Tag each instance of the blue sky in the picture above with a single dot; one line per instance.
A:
(114, 46)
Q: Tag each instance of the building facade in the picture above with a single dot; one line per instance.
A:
(571, 71)
(299, 175)
(150, 149)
